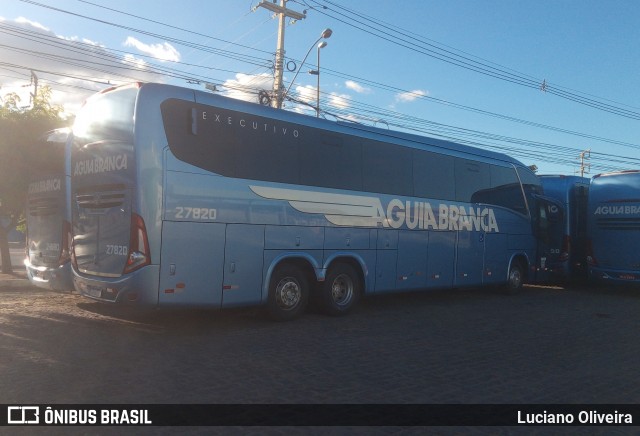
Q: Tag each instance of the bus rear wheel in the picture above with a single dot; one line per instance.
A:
(288, 293)
(515, 278)
(341, 290)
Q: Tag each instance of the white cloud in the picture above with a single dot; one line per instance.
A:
(410, 95)
(92, 67)
(355, 86)
(246, 86)
(307, 94)
(132, 60)
(23, 20)
(339, 101)
(163, 51)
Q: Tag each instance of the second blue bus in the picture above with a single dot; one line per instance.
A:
(614, 227)
(48, 215)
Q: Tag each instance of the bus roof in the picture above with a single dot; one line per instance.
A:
(617, 173)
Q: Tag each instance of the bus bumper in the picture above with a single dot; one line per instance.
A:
(53, 279)
(615, 276)
(138, 288)
(558, 271)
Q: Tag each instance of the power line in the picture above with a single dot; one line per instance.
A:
(243, 58)
(534, 150)
(402, 123)
(172, 26)
(396, 89)
(400, 37)
(89, 51)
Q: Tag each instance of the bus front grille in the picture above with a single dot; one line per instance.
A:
(101, 197)
(43, 206)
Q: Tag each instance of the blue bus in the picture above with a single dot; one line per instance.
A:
(614, 227)
(48, 216)
(183, 197)
(568, 257)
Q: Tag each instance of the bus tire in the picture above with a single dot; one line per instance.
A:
(515, 278)
(341, 290)
(288, 293)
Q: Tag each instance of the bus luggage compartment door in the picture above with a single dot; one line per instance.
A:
(469, 259)
(191, 263)
(243, 265)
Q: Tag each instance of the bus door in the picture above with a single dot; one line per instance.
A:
(548, 221)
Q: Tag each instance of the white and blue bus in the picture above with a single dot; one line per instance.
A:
(567, 259)
(48, 215)
(183, 197)
(614, 227)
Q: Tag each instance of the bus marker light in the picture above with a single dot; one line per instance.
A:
(169, 291)
(133, 297)
(181, 286)
(138, 245)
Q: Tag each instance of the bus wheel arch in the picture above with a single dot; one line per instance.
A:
(342, 287)
(290, 285)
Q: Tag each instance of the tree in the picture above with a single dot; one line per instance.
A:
(20, 129)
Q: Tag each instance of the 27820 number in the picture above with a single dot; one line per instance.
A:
(117, 250)
(195, 213)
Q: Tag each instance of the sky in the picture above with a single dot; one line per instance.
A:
(542, 81)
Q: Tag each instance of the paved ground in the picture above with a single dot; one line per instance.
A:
(545, 345)
(18, 279)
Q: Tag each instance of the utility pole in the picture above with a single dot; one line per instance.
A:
(34, 82)
(282, 13)
(584, 165)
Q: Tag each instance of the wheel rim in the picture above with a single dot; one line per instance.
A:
(342, 290)
(515, 278)
(288, 293)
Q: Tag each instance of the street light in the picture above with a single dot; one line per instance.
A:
(323, 44)
(326, 33)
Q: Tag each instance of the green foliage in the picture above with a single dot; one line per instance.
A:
(20, 129)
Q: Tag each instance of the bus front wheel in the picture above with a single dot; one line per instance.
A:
(288, 293)
(341, 290)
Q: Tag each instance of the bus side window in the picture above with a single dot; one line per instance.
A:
(471, 177)
(543, 222)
